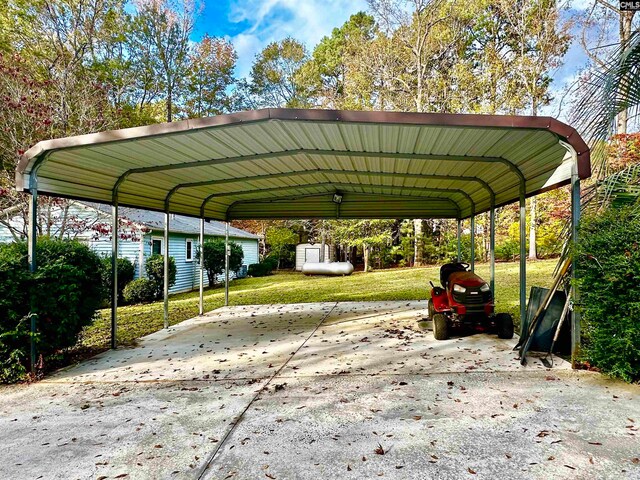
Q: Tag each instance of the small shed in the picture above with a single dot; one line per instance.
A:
(310, 252)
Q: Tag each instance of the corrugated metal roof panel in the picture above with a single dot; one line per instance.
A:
(271, 154)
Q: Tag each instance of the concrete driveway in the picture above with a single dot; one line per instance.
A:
(348, 390)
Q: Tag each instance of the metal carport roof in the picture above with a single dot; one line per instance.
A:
(288, 163)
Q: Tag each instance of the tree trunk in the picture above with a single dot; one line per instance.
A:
(365, 251)
(419, 247)
(533, 251)
(626, 19)
(169, 104)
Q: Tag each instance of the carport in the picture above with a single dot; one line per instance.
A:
(286, 163)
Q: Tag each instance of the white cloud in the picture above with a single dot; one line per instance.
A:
(272, 20)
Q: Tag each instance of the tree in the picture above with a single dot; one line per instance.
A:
(210, 75)
(366, 234)
(332, 74)
(154, 266)
(423, 61)
(214, 260)
(161, 33)
(540, 41)
(278, 238)
(274, 75)
(48, 84)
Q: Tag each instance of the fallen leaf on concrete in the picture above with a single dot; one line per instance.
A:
(471, 471)
(268, 475)
(569, 466)
(348, 468)
(417, 417)
(635, 460)
(379, 450)
(595, 443)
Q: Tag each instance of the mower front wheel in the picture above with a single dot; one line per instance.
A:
(504, 323)
(440, 327)
(430, 308)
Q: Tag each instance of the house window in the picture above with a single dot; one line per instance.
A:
(156, 246)
(189, 252)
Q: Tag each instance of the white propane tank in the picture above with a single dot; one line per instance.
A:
(330, 268)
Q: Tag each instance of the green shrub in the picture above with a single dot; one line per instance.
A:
(126, 272)
(65, 291)
(214, 258)
(155, 272)
(261, 269)
(141, 290)
(508, 250)
(271, 261)
(14, 302)
(608, 269)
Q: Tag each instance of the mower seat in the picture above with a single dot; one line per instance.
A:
(449, 268)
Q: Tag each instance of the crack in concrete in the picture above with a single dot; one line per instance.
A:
(209, 462)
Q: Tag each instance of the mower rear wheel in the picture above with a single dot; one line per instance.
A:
(440, 327)
(504, 323)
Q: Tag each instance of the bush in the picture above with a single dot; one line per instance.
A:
(155, 272)
(261, 269)
(508, 250)
(608, 271)
(126, 272)
(66, 291)
(14, 302)
(271, 261)
(141, 290)
(214, 258)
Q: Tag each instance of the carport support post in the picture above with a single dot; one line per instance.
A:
(523, 257)
(114, 273)
(226, 264)
(166, 268)
(575, 220)
(492, 250)
(201, 301)
(459, 232)
(473, 242)
(31, 250)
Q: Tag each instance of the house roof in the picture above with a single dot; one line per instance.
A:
(288, 163)
(177, 223)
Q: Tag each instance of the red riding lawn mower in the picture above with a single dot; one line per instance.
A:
(465, 301)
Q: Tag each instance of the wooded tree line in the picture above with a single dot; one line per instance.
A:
(76, 66)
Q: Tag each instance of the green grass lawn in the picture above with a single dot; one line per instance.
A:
(395, 284)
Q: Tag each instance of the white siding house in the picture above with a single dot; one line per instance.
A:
(145, 235)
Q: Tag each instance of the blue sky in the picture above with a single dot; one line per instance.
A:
(252, 24)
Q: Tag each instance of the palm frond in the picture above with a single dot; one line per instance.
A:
(621, 188)
(606, 93)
